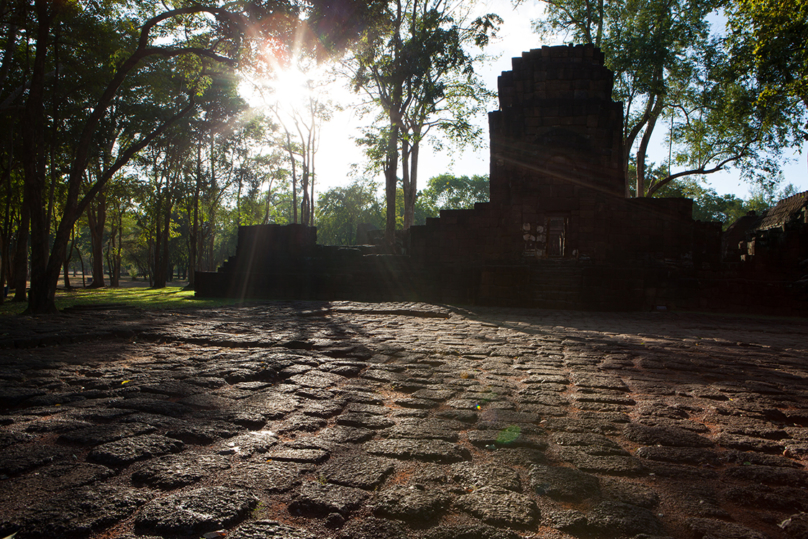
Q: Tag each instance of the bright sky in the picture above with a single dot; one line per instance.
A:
(338, 151)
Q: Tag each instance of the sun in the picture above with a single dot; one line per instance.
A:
(289, 88)
(283, 76)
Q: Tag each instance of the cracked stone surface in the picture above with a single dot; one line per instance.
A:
(195, 511)
(413, 503)
(360, 471)
(495, 505)
(315, 498)
(79, 512)
(471, 476)
(423, 450)
(128, 450)
(619, 517)
(264, 529)
(402, 420)
(563, 483)
(175, 471)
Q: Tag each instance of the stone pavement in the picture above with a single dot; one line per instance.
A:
(348, 420)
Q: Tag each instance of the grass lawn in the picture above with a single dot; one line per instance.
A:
(171, 297)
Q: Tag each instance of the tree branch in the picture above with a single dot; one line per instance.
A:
(127, 155)
(701, 170)
(171, 53)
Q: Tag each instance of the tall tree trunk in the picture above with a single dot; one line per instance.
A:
(411, 194)
(66, 273)
(643, 149)
(628, 142)
(391, 180)
(83, 273)
(157, 266)
(294, 176)
(212, 213)
(211, 247)
(165, 266)
(200, 254)
(405, 175)
(110, 244)
(210, 239)
(268, 200)
(304, 188)
(409, 175)
(97, 217)
(33, 161)
(306, 153)
(5, 240)
(311, 198)
(20, 274)
(391, 159)
(113, 249)
(116, 274)
(194, 232)
(55, 131)
(68, 258)
(150, 261)
(238, 198)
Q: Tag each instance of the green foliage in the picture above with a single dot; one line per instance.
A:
(768, 37)
(448, 192)
(710, 206)
(416, 67)
(341, 209)
(707, 204)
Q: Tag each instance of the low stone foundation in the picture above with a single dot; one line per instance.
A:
(284, 262)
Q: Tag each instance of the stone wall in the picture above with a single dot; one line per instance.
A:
(765, 262)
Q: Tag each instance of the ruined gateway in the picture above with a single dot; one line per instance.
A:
(558, 232)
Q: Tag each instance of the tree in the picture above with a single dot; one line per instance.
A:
(301, 123)
(449, 192)
(120, 205)
(189, 38)
(45, 267)
(728, 208)
(11, 199)
(448, 95)
(669, 67)
(767, 37)
(770, 36)
(413, 66)
(341, 209)
(164, 163)
(218, 119)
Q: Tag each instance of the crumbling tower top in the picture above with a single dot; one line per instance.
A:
(557, 123)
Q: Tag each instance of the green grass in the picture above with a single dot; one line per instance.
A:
(172, 297)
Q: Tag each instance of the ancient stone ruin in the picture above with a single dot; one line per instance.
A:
(766, 259)
(776, 239)
(558, 231)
